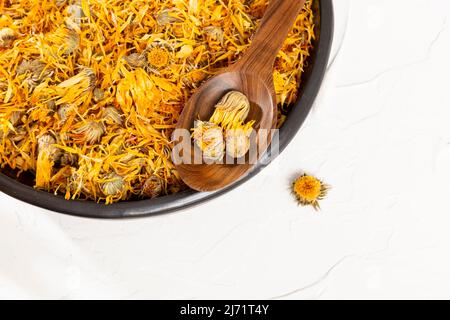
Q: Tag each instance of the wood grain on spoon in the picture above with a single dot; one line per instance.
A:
(251, 75)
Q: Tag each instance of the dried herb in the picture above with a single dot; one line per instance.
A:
(309, 190)
(107, 80)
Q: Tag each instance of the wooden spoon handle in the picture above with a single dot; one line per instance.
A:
(272, 32)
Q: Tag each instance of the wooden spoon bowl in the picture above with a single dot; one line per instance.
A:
(259, 92)
(252, 75)
(262, 110)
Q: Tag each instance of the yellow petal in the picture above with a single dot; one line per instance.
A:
(86, 9)
(185, 51)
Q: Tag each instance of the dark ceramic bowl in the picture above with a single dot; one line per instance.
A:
(311, 83)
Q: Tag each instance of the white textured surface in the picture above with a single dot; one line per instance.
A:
(379, 134)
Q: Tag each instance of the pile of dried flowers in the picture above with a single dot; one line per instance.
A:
(90, 90)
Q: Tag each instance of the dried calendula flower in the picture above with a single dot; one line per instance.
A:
(167, 16)
(38, 71)
(208, 137)
(19, 134)
(15, 117)
(24, 67)
(84, 80)
(7, 37)
(112, 116)
(51, 105)
(230, 113)
(75, 13)
(152, 187)
(229, 116)
(113, 185)
(46, 143)
(214, 32)
(73, 90)
(68, 159)
(158, 55)
(136, 60)
(91, 131)
(64, 111)
(98, 94)
(238, 140)
(63, 40)
(231, 110)
(309, 190)
(47, 155)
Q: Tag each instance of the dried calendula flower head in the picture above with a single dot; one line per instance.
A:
(112, 116)
(238, 141)
(64, 40)
(51, 105)
(98, 94)
(84, 81)
(33, 66)
(158, 55)
(113, 184)
(38, 71)
(91, 131)
(19, 134)
(46, 143)
(208, 137)
(7, 37)
(64, 111)
(231, 110)
(136, 60)
(47, 155)
(15, 117)
(68, 159)
(214, 32)
(152, 187)
(75, 12)
(309, 190)
(73, 90)
(167, 16)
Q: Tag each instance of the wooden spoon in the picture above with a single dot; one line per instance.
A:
(251, 75)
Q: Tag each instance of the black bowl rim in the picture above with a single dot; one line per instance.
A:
(188, 198)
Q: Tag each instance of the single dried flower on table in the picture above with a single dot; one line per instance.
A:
(309, 190)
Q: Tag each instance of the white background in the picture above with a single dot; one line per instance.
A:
(379, 134)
